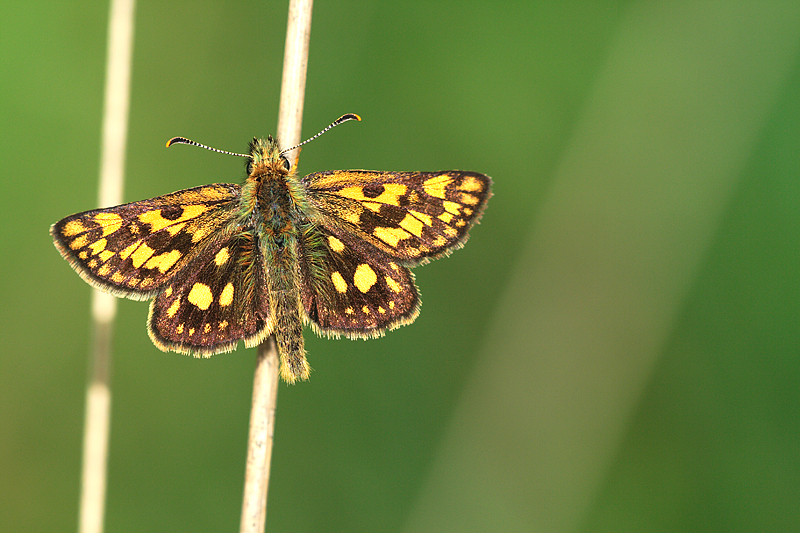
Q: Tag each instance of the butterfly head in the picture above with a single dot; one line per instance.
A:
(266, 158)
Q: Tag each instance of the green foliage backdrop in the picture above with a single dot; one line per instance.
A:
(617, 347)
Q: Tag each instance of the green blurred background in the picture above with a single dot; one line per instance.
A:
(617, 347)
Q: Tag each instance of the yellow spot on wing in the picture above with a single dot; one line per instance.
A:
(439, 241)
(174, 308)
(179, 329)
(425, 219)
(110, 222)
(73, 227)
(364, 277)
(391, 194)
(468, 199)
(173, 230)
(158, 222)
(335, 244)
(471, 184)
(209, 194)
(394, 286)
(339, 282)
(124, 254)
(117, 277)
(436, 186)
(164, 261)
(226, 297)
(412, 225)
(445, 217)
(390, 236)
(201, 296)
(365, 309)
(352, 216)
(105, 255)
(451, 207)
(142, 254)
(222, 257)
(79, 242)
(198, 234)
(98, 246)
(342, 176)
(104, 270)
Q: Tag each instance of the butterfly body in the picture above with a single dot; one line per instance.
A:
(225, 263)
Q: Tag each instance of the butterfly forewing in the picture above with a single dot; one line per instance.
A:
(411, 216)
(133, 249)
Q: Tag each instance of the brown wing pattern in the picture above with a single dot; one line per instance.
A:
(411, 216)
(217, 300)
(357, 293)
(133, 249)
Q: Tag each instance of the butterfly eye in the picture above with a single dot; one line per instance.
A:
(286, 164)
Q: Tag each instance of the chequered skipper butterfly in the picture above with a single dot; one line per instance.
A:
(225, 263)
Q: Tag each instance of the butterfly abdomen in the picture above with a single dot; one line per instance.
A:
(282, 278)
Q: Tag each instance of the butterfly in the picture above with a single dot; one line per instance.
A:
(225, 262)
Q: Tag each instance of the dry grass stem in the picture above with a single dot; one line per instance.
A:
(265, 383)
(112, 168)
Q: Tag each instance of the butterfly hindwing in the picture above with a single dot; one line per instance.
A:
(218, 299)
(410, 216)
(354, 291)
(133, 249)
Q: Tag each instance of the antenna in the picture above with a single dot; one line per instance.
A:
(340, 120)
(184, 140)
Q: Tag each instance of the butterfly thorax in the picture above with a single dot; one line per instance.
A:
(273, 189)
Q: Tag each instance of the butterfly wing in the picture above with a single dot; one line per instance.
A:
(413, 217)
(219, 298)
(133, 249)
(353, 290)
(371, 226)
